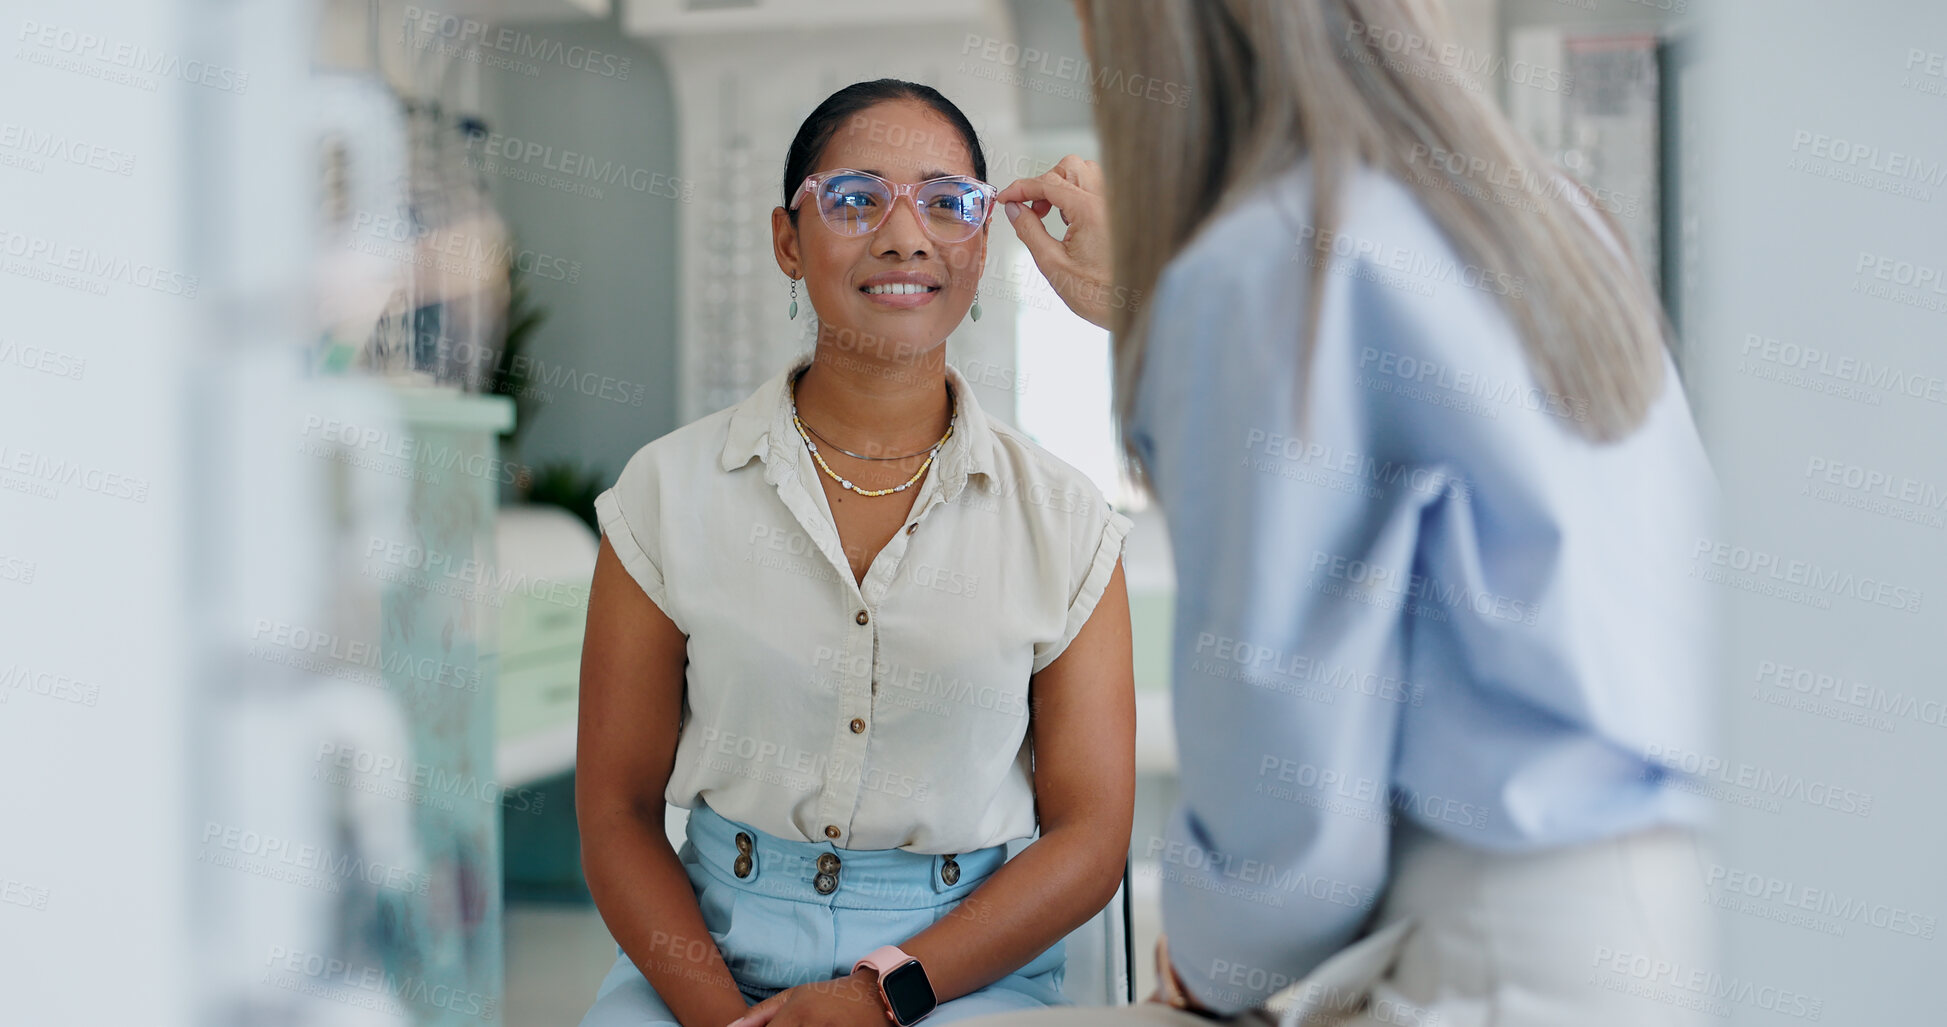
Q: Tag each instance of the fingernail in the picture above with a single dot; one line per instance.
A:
(1013, 210)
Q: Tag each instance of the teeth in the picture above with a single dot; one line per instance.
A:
(898, 289)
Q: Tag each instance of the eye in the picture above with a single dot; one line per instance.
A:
(853, 193)
(960, 200)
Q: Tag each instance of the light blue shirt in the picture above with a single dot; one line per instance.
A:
(1433, 600)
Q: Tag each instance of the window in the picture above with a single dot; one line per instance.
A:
(1067, 386)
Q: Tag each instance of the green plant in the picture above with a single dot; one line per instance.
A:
(510, 374)
(562, 483)
(568, 485)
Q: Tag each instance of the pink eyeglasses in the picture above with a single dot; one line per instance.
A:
(852, 202)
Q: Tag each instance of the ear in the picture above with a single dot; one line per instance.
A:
(784, 243)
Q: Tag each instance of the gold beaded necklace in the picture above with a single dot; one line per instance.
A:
(931, 451)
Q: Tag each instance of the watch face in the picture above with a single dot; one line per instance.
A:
(908, 992)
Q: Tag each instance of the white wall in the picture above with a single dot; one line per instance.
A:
(1847, 862)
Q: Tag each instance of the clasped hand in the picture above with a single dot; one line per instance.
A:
(851, 1001)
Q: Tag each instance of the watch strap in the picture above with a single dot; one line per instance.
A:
(883, 958)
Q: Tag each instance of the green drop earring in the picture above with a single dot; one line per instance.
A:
(975, 312)
(794, 299)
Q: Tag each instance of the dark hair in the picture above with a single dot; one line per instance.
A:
(821, 124)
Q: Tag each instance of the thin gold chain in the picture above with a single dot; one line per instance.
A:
(931, 452)
(861, 456)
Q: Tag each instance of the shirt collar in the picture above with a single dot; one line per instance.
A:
(761, 428)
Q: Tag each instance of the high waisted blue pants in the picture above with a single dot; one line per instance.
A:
(805, 911)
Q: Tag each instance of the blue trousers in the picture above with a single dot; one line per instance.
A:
(785, 913)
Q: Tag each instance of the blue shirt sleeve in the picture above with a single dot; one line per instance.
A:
(1287, 697)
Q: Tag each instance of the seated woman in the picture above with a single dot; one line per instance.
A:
(865, 634)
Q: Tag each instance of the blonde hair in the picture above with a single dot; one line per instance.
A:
(1350, 83)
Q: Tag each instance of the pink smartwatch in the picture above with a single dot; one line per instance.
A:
(903, 986)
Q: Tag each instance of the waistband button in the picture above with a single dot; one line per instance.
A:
(949, 870)
(827, 863)
(825, 883)
(742, 866)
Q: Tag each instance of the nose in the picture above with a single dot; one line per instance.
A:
(901, 235)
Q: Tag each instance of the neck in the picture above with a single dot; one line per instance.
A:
(879, 404)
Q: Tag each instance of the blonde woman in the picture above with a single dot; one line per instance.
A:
(1432, 486)
(866, 634)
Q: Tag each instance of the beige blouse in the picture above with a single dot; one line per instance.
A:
(887, 714)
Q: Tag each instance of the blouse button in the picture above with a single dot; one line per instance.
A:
(910, 528)
(858, 726)
(831, 830)
(862, 618)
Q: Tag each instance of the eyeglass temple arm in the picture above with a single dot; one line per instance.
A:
(797, 198)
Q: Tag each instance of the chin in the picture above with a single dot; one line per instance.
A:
(904, 334)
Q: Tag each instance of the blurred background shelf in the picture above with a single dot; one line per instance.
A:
(547, 558)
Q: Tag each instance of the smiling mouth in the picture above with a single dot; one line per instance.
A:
(898, 289)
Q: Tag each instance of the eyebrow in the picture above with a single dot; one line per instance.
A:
(927, 175)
